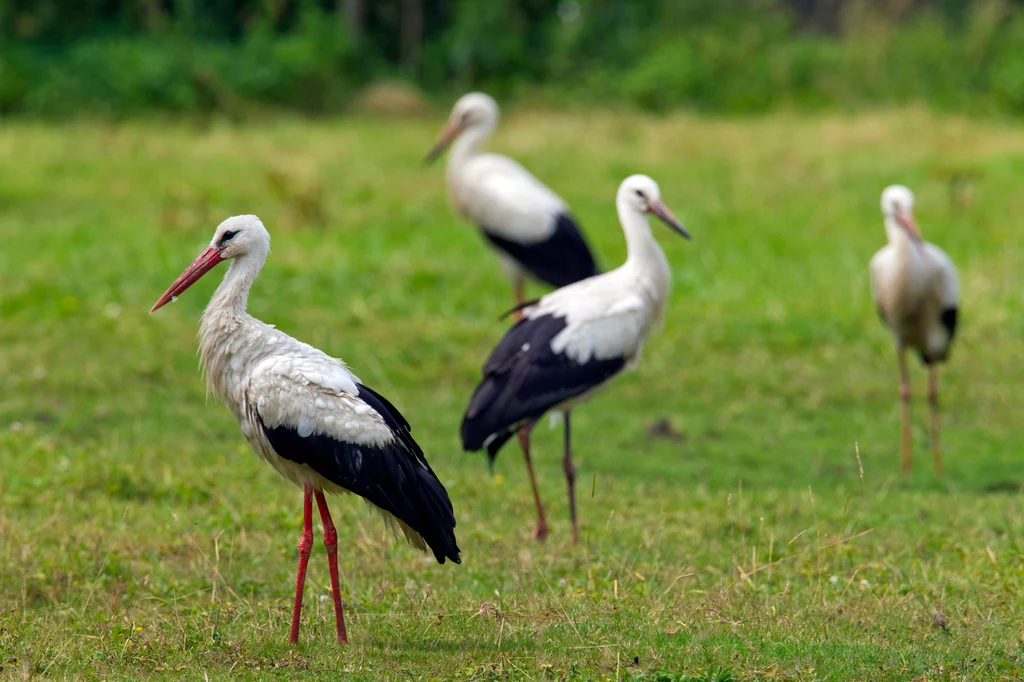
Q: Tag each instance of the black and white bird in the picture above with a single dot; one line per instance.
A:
(308, 416)
(528, 225)
(915, 287)
(572, 341)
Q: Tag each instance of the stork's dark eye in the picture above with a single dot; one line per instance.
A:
(227, 236)
(639, 194)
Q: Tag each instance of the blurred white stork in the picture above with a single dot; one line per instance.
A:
(529, 226)
(570, 342)
(308, 416)
(914, 285)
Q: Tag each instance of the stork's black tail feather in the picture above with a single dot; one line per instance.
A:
(497, 443)
(431, 515)
(428, 509)
(561, 259)
(393, 476)
(479, 428)
(522, 379)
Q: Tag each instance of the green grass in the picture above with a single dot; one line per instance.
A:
(140, 537)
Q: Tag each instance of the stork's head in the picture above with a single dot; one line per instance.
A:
(236, 237)
(898, 208)
(640, 194)
(475, 110)
(240, 235)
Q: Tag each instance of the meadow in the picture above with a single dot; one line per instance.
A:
(742, 512)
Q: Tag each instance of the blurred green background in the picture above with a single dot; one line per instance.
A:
(114, 58)
(743, 513)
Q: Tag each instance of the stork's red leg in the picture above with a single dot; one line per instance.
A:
(331, 543)
(540, 532)
(305, 547)
(570, 479)
(904, 413)
(933, 403)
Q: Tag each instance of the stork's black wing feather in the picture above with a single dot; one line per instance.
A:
(949, 320)
(393, 418)
(559, 260)
(394, 476)
(524, 378)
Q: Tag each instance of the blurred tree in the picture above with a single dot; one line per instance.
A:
(726, 55)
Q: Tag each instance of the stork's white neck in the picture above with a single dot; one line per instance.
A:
(645, 258)
(228, 348)
(896, 234)
(233, 293)
(906, 249)
(469, 143)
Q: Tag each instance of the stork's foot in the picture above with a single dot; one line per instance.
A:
(540, 532)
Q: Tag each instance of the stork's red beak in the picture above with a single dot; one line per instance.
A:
(906, 221)
(449, 134)
(661, 210)
(200, 266)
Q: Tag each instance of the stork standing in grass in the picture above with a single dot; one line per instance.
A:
(308, 416)
(914, 285)
(570, 342)
(529, 226)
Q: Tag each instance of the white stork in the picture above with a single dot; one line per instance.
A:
(570, 342)
(914, 285)
(529, 226)
(308, 416)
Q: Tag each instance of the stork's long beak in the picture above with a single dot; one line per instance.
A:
(200, 266)
(449, 134)
(906, 221)
(661, 210)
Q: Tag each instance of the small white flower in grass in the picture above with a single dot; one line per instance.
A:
(834, 579)
(864, 584)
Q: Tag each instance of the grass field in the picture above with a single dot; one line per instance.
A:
(140, 537)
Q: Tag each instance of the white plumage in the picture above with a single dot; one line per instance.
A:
(494, 190)
(313, 397)
(915, 287)
(570, 342)
(608, 316)
(528, 225)
(308, 416)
